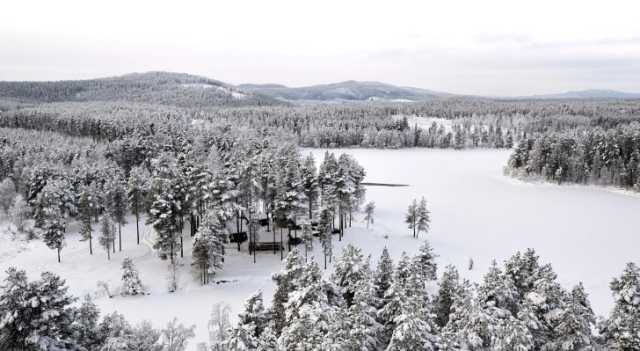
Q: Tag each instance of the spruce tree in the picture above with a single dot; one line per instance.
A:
(622, 330)
(425, 260)
(449, 284)
(131, 283)
(117, 204)
(208, 246)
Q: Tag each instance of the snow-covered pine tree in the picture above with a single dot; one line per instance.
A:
(54, 229)
(414, 325)
(326, 235)
(363, 327)
(107, 234)
(85, 324)
(369, 209)
(131, 283)
(449, 284)
(411, 218)
(285, 283)
(575, 323)
(308, 314)
(350, 269)
(383, 277)
(86, 210)
(138, 186)
(208, 246)
(425, 261)
(164, 216)
(308, 174)
(424, 217)
(117, 203)
(252, 322)
(32, 310)
(623, 326)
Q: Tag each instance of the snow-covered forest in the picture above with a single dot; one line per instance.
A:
(184, 178)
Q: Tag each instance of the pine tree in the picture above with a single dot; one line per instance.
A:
(326, 235)
(414, 325)
(54, 229)
(138, 187)
(117, 204)
(86, 211)
(107, 234)
(131, 283)
(576, 321)
(285, 281)
(449, 284)
(208, 247)
(423, 217)
(364, 329)
(411, 218)
(383, 277)
(85, 325)
(350, 270)
(368, 213)
(310, 183)
(308, 315)
(32, 310)
(164, 216)
(425, 261)
(623, 327)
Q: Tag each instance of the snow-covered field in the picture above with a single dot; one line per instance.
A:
(587, 233)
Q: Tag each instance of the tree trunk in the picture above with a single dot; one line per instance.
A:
(58, 254)
(181, 247)
(137, 227)
(281, 246)
(274, 241)
(310, 209)
(119, 237)
(90, 244)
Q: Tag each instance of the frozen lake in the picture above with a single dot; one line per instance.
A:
(587, 233)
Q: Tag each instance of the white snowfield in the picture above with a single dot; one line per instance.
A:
(587, 233)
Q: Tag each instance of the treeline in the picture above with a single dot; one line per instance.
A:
(588, 156)
(441, 123)
(519, 305)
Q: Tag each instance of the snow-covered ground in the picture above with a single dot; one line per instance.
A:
(587, 233)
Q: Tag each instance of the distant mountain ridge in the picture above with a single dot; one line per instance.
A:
(178, 89)
(187, 90)
(348, 90)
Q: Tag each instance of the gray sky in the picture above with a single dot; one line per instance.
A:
(486, 47)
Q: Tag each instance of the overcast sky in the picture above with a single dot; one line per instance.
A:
(485, 47)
